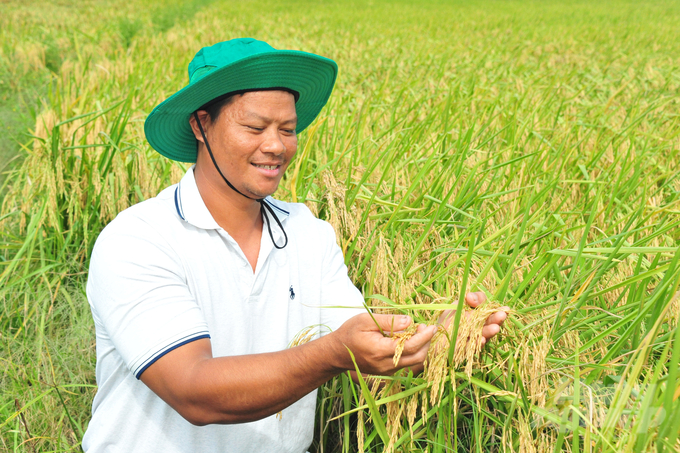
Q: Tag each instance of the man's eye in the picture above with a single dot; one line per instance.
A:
(259, 129)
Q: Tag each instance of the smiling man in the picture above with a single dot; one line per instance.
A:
(198, 293)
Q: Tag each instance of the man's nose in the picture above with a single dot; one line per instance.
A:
(273, 143)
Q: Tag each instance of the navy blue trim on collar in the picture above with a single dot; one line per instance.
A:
(177, 203)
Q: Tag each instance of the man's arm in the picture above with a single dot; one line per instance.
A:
(238, 389)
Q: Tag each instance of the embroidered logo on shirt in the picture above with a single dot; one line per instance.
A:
(292, 293)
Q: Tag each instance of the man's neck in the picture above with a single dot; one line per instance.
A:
(237, 215)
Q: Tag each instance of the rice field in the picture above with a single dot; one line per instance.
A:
(530, 150)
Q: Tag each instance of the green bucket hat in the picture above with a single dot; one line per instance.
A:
(238, 65)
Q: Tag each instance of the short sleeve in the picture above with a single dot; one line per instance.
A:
(137, 290)
(340, 298)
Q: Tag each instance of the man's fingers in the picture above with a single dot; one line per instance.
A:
(475, 299)
(415, 352)
(498, 317)
(416, 358)
(446, 317)
(421, 339)
(489, 331)
(392, 323)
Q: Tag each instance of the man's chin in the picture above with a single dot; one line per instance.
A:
(259, 193)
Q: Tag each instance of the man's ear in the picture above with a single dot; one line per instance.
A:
(203, 118)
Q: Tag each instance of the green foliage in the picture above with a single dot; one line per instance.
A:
(526, 149)
(167, 14)
(128, 29)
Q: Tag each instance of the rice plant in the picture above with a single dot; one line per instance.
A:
(528, 150)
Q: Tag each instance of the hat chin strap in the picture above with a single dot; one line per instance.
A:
(264, 207)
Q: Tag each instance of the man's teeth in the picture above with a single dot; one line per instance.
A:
(267, 167)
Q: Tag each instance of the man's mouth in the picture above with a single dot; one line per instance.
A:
(267, 167)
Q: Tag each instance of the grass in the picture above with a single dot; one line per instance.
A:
(526, 149)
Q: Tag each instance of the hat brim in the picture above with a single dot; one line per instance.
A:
(167, 127)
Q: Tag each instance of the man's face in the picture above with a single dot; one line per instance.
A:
(253, 141)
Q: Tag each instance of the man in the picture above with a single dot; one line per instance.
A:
(199, 292)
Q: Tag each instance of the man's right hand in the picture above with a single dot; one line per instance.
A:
(373, 351)
(237, 389)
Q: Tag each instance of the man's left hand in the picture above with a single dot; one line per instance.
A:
(493, 322)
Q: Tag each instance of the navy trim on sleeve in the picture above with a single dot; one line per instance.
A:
(162, 353)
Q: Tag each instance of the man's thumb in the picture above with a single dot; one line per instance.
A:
(393, 323)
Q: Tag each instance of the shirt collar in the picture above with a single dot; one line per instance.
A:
(191, 208)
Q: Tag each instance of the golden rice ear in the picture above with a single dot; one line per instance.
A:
(401, 338)
(470, 339)
(394, 412)
(360, 424)
(307, 334)
(411, 411)
(526, 440)
(533, 367)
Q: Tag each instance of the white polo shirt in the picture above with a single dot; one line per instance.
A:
(164, 273)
